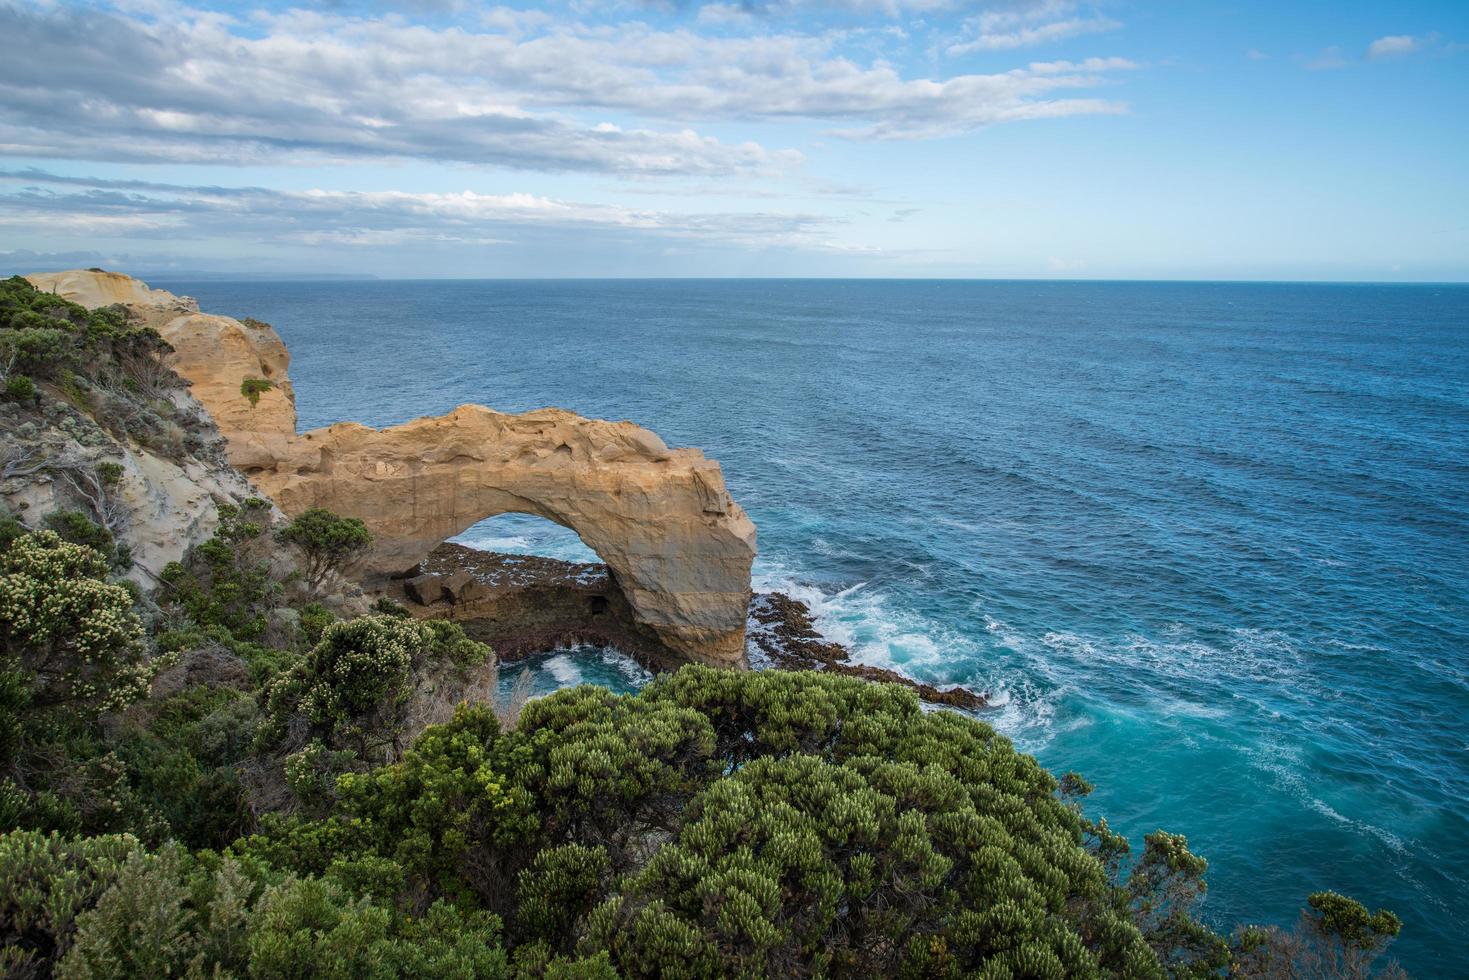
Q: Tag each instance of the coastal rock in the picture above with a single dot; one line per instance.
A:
(526, 604)
(218, 355)
(459, 586)
(215, 354)
(162, 498)
(678, 547)
(160, 507)
(786, 636)
(424, 589)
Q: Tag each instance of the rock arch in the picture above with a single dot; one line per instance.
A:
(679, 547)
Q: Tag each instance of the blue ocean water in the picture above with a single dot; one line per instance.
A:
(1207, 544)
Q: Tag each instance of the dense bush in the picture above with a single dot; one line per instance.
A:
(353, 691)
(227, 581)
(291, 808)
(67, 629)
(48, 882)
(327, 542)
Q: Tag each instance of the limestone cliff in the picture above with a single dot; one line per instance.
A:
(678, 546)
(153, 479)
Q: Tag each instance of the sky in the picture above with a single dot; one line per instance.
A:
(1171, 139)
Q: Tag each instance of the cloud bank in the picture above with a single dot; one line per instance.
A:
(182, 85)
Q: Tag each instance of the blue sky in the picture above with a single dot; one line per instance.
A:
(1035, 138)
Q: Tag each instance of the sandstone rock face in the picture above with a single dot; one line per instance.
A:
(164, 502)
(215, 354)
(678, 546)
(164, 506)
(92, 289)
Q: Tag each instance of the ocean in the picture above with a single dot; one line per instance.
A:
(1205, 543)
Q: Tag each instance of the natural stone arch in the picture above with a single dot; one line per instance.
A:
(660, 518)
(678, 547)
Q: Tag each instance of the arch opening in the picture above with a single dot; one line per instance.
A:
(530, 586)
(516, 533)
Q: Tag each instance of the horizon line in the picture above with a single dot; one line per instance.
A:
(200, 276)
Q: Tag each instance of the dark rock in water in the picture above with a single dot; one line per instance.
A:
(525, 604)
(785, 632)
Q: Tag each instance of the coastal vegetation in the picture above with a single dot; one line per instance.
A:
(231, 780)
(237, 772)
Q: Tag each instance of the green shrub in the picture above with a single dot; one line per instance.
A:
(327, 542)
(388, 607)
(302, 846)
(10, 530)
(253, 388)
(62, 623)
(110, 473)
(557, 891)
(19, 388)
(100, 361)
(449, 811)
(315, 618)
(184, 762)
(1336, 937)
(148, 923)
(226, 581)
(312, 928)
(77, 528)
(168, 915)
(41, 351)
(353, 689)
(48, 882)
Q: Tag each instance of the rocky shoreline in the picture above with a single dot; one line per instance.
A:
(527, 604)
(782, 628)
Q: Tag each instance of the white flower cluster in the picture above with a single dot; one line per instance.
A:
(56, 612)
(361, 661)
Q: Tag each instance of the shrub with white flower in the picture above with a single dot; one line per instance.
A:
(353, 688)
(67, 629)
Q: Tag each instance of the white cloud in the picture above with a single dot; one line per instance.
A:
(725, 13)
(43, 203)
(183, 85)
(1027, 25)
(1328, 60)
(1394, 46)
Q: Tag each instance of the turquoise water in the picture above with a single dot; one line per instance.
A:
(1207, 544)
